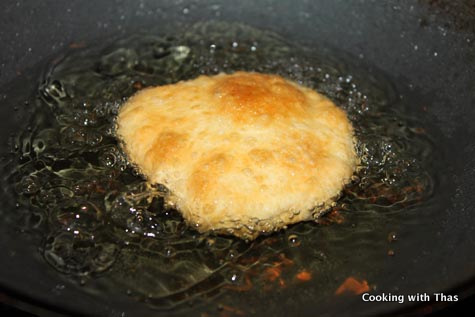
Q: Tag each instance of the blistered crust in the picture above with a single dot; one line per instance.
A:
(244, 153)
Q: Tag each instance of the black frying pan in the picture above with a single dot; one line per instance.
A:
(427, 46)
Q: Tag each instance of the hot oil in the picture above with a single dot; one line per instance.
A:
(99, 217)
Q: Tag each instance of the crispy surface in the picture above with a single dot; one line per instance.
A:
(241, 154)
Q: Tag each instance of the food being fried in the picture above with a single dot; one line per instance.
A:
(243, 153)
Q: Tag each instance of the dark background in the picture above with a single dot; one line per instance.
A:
(466, 307)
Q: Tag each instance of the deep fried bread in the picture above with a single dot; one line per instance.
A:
(241, 154)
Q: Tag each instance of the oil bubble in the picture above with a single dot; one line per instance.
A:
(29, 185)
(108, 159)
(169, 252)
(392, 237)
(234, 277)
(179, 53)
(294, 240)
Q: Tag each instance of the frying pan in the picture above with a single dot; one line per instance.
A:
(427, 46)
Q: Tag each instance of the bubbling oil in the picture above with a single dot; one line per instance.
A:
(99, 217)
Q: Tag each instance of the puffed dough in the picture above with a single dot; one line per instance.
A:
(241, 154)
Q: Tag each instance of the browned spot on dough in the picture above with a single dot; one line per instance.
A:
(165, 148)
(261, 156)
(142, 134)
(312, 150)
(209, 169)
(247, 96)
